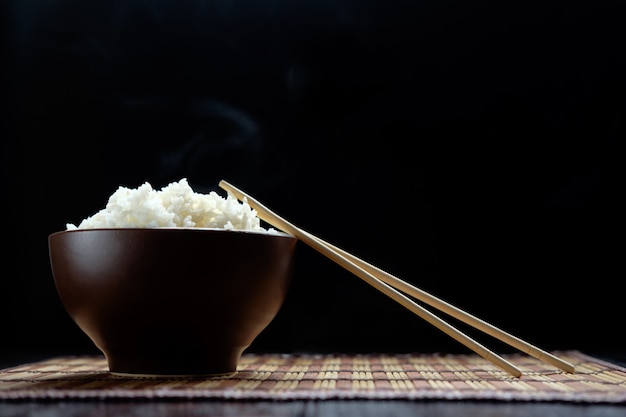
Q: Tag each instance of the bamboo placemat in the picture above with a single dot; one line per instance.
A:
(323, 377)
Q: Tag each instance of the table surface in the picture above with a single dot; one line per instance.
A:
(308, 408)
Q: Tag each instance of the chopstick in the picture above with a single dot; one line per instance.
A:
(459, 314)
(383, 282)
(275, 220)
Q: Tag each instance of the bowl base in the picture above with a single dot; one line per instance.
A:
(171, 376)
(173, 363)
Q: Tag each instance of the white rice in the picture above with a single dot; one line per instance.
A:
(175, 205)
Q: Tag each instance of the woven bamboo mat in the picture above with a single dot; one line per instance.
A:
(322, 377)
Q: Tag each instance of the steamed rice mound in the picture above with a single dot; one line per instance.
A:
(175, 205)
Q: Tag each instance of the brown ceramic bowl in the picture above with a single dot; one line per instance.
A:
(173, 302)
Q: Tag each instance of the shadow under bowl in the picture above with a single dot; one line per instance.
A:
(172, 302)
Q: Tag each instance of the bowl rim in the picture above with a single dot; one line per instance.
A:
(273, 232)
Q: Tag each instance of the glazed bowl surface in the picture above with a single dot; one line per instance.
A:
(172, 301)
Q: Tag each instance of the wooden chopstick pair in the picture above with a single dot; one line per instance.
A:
(389, 285)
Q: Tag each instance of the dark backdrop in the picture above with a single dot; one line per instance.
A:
(467, 147)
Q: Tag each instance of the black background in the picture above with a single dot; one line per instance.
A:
(469, 148)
